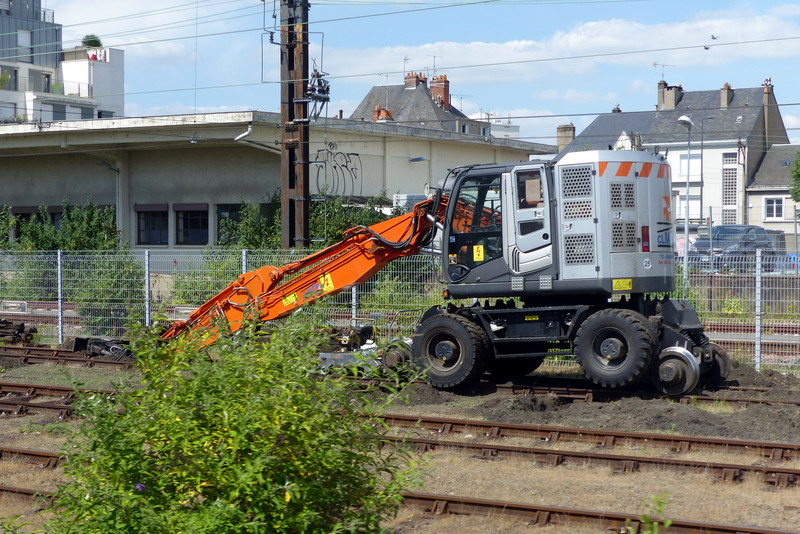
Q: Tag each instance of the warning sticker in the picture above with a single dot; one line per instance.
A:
(623, 284)
(289, 299)
(477, 253)
(326, 282)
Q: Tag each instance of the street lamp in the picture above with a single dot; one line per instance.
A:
(702, 163)
(686, 120)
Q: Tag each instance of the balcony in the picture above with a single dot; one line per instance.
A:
(44, 84)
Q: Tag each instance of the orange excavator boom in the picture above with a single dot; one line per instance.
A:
(266, 293)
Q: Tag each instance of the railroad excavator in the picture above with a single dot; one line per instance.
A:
(539, 258)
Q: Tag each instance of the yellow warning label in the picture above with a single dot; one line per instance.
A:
(326, 282)
(623, 284)
(289, 299)
(531, 317)
(477, 253)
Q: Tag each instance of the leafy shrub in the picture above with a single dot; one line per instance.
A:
(250, 439)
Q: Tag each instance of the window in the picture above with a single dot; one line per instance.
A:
(191, 224)
(226, 213)
(8, 111)
(773, 208)
(476, 227)
(8, 79)
(59, 112)
(152, 224)
(529, 189)
(86, 113)
(24, 48)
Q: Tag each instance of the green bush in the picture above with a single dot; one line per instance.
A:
(252, 438)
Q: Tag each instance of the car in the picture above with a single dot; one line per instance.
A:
(732, 247)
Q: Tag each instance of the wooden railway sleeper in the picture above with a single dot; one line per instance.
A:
(488, 453)
(780, 454)
(630, 466)
(781, 480)
(554, 459)
(732, 475)
(439, 507)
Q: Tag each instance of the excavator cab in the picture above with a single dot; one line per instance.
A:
(498, 227)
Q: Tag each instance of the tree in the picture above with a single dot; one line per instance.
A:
(794, 186)
(252, 440)
(91, 41)
(87, 227)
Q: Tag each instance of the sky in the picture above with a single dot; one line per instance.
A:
(536, 63)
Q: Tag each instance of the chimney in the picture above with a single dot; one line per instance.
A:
(616, 109)
(380, 114)
(440, 91)
(413, 79)
(668, 96)
(725, 96)
(565, 134)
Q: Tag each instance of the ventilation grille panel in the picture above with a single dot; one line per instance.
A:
(579, 249)
(576, 181)
(623, 196)
(578, 209)
(623, 236)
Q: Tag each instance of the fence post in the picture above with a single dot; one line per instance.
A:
(244, 260)
(758, 310)
(60, 283)
(354, 302)
(147, 294)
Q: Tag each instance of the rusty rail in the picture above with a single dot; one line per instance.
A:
(32, 456)
(555, 515)
(774, 475)
(605, 438)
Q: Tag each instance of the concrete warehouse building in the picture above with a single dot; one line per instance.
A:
(172, 178)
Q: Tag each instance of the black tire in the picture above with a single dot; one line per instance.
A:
(508, 368)
(615, 347)
(451, 350)
(719, 369)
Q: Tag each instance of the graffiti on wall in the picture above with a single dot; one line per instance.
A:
(337, 173)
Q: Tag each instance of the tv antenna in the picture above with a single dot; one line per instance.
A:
(662, 65)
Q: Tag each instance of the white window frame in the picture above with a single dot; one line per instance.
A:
(784, 204)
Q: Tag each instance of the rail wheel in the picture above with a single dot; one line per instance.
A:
(615, 347)
(719, 369)
(450, 349)
(676, 372)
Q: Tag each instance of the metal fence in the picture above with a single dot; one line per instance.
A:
(750, 306)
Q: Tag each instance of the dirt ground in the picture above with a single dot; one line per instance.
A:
(757, 422)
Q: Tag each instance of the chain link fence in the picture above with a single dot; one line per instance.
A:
(750, 306)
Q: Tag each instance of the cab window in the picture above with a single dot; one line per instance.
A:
(476, 225)
(529, 188)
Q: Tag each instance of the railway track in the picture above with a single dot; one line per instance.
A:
(578, 394)
(19, 399)
(603, 438)
(533, 514)
(67, 358)
(777, 476)
(553, 515)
